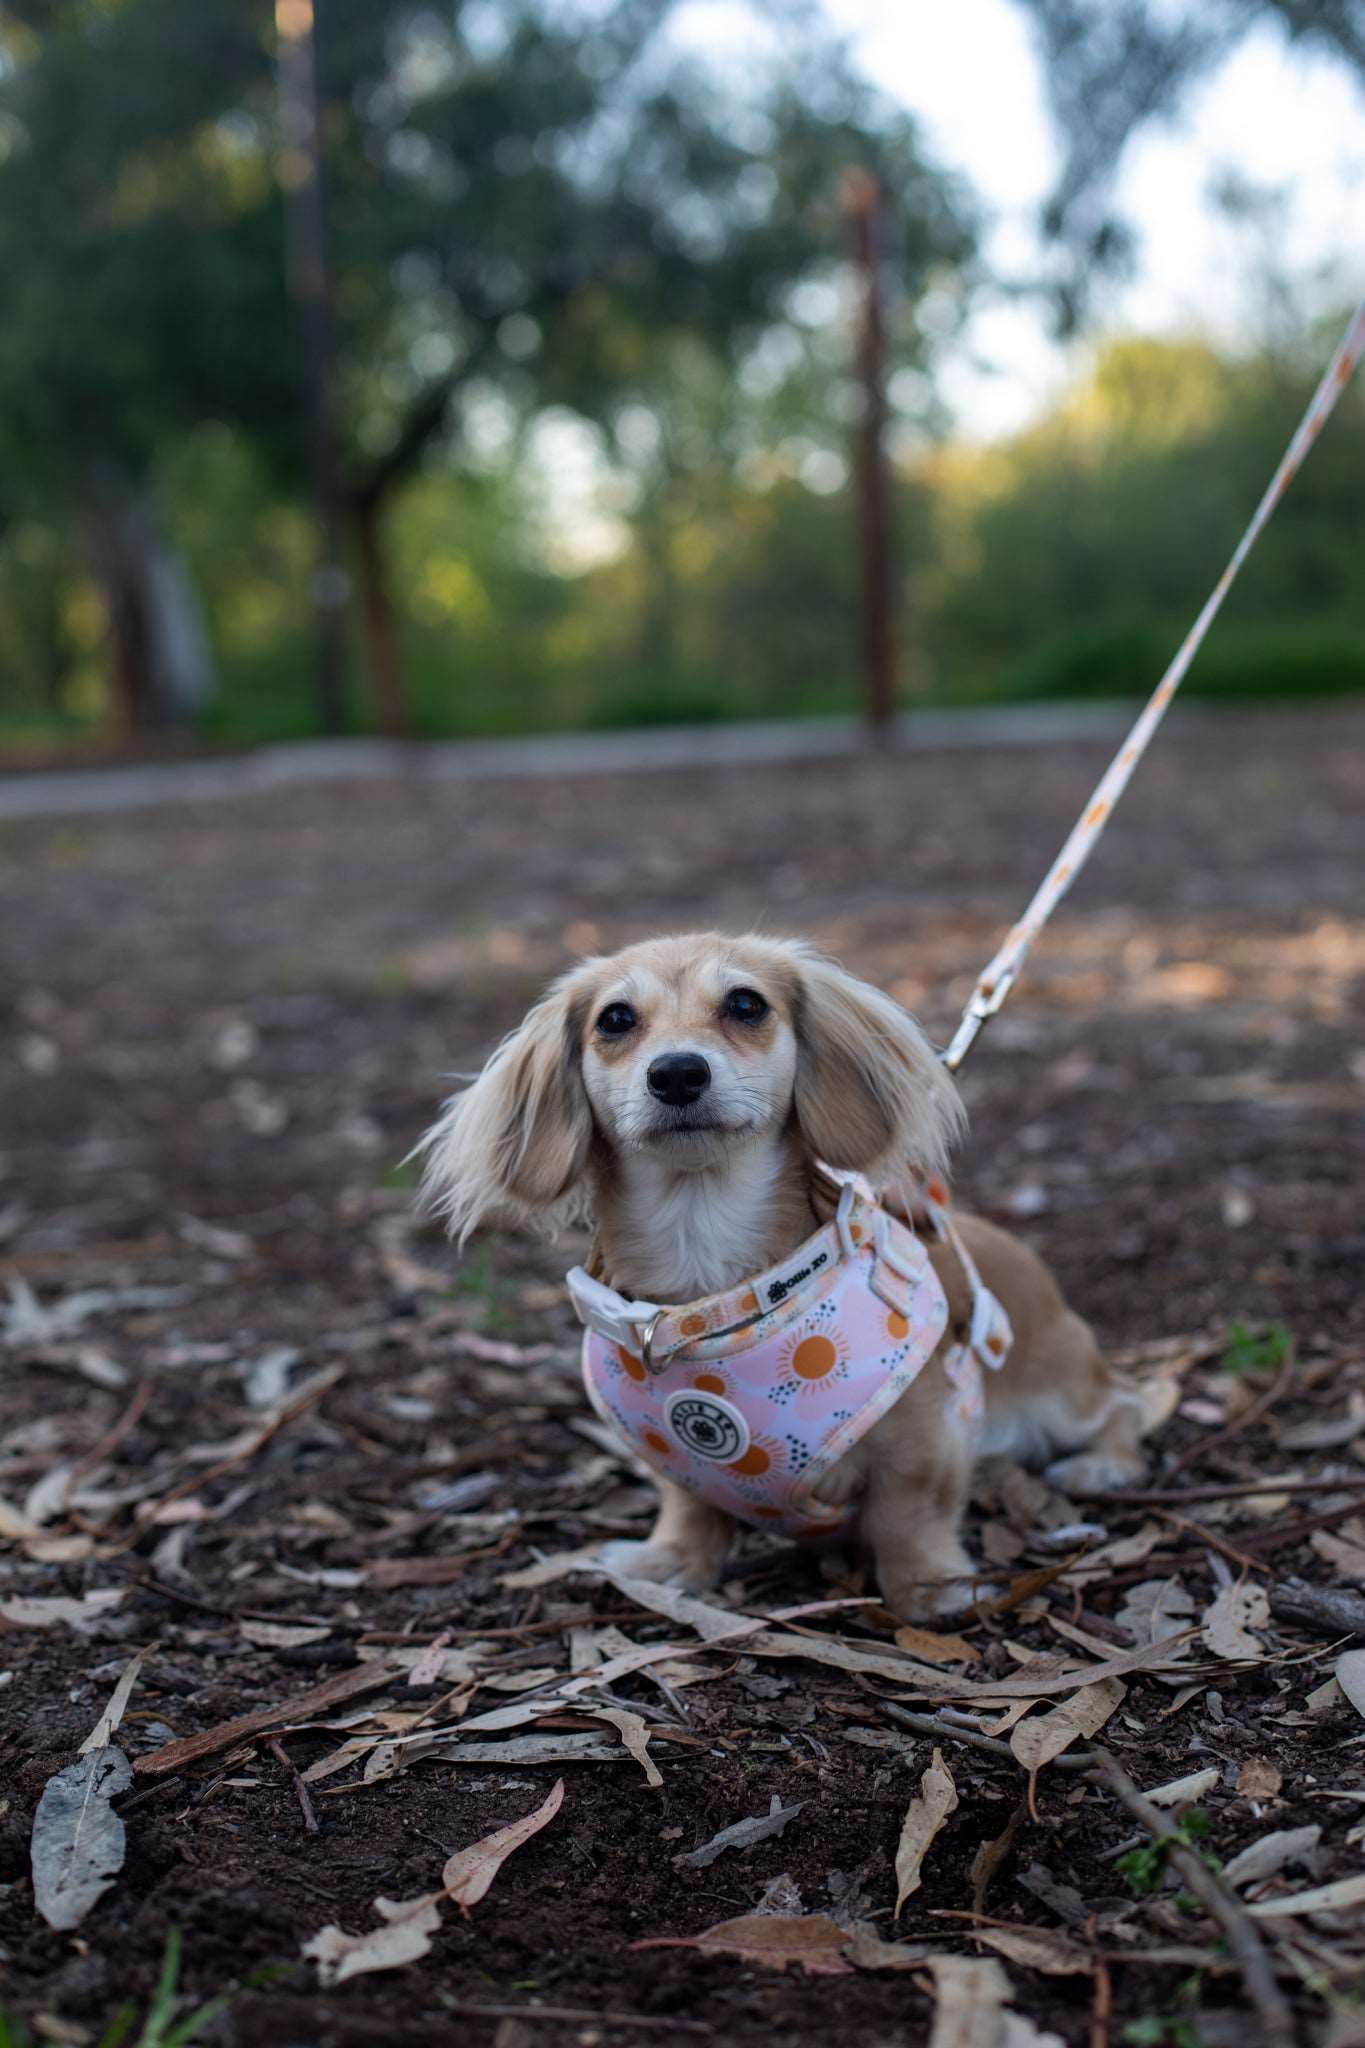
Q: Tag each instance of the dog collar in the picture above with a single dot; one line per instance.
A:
(748, 1397)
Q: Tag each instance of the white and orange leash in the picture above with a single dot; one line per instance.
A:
(999, 978)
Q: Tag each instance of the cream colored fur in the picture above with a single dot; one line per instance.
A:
(691, 1199)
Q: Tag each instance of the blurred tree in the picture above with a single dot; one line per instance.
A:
(1111, 67)
(524, 195)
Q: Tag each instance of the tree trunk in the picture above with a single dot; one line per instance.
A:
(299, 167)
(863, 200)
(379, 622)
(161, 667)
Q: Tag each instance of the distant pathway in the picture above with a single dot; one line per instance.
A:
(73, 792)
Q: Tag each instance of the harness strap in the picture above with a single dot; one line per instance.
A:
(1000, 976)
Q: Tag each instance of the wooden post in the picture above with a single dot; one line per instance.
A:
(863, 205)
(299, 169)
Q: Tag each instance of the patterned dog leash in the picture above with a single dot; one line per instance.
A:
(999, 978)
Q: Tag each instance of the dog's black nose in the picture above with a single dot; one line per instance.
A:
(679, 1078)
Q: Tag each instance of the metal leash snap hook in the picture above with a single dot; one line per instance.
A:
(647, 1341)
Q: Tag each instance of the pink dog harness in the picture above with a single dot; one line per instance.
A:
(749, 1397)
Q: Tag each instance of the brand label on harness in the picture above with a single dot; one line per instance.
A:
(707, 1426)
(778, 1290)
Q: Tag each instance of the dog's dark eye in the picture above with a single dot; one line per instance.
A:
(746, 1006)
(616, 1020)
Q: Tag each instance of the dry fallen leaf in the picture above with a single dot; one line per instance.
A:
(187, 1749)
(282, 1635)
(809, 1940)
(1039, 1948)
(1262, 1859)
(78, 1842)
(936, 1649)
(47, 1611)
(924, 1817)
(1258, 1778)
(1184, 1791)
(1324, 1898)
(103, 1731)
(1349, 1673)
(470, 1872)
(1043, 1675)
(971, 2008)
(632, 1730)
(1042, 1737)
(1343, 1549)
(404, 1934)
(1227, 1622)
(741, 1834)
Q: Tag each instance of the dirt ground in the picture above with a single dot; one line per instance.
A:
(246, 1390)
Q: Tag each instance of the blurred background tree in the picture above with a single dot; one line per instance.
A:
(528, 205)
(593, 314)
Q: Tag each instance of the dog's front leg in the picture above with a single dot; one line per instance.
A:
(912, 1513)
(687, 1546)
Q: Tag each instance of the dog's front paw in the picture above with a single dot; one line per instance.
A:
(1095, 1472)
(660, 1563)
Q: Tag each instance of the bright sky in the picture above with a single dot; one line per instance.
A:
(1278, 115)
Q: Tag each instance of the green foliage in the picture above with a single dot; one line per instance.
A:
(1168, 2031)
(1143, 1869)
(160, 2028)
(1260, 1350)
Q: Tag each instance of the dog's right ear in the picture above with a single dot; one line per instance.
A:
(515, 1144)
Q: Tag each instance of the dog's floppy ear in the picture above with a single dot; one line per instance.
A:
(870, 1092)
(515, 1144)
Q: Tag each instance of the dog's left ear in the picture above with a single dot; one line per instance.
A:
(871, 1094)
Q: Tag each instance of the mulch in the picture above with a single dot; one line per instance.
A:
(247, 1389)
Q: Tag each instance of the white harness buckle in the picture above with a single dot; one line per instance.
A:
(629, 1323)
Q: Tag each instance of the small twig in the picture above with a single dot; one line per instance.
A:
(290, 1412)
(1218, 1543)
(1101, 2005)
(1333, 1612)
(1294, 1532)
(1277, 2024)
(571, 2014)
(281, 1755)
(1259, 1407)
(97, 1453)
(929, 1724)
(1183, 1496)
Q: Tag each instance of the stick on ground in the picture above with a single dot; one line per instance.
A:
(1277, 2024)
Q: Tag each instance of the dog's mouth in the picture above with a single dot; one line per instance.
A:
(683, 1126)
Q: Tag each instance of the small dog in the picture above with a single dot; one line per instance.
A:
(686, 1093)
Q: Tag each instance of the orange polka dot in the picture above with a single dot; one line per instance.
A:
(657, 1442)
(936, 1192)
(752, 1463)
(897, 1326)
(855, 1231)
(748, 1302)
(710, 1382)
(631, 1366)
(692, 1326)
(994, 1346)
(1096, 812)
(813, 1358)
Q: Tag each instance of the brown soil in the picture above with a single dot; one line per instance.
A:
(222, 1030)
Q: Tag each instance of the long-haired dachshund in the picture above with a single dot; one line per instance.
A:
(686, 1094)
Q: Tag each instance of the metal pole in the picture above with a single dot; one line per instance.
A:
(863, 205)
(299, 170)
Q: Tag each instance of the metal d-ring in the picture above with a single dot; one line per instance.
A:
(647, 1341)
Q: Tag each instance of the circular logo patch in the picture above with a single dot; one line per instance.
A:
(707, 1426)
